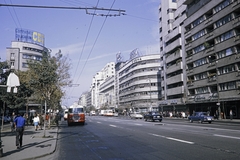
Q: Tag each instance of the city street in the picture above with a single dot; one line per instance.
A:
(123, 138)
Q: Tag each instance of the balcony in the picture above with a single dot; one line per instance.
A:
(174, 56)
(175, 91)
(173, 45)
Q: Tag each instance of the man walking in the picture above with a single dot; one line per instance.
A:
(19, 125)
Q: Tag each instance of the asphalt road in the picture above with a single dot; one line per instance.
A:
(118, 138)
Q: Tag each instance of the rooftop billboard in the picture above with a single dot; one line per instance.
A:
(25, 35)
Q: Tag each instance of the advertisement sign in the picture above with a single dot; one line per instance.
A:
(25, 35)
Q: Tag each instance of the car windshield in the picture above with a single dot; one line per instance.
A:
(75, 110)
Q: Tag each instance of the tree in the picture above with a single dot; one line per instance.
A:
(48, 76)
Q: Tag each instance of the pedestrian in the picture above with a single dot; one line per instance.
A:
(56, 119)
(217, 115)
(36, 121)
(12, 122)
(19, 125)
(231, 114)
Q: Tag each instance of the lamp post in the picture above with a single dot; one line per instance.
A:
(150, 94)
(12, 81)
(218, 101)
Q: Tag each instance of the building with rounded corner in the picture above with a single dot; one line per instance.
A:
(139, 83)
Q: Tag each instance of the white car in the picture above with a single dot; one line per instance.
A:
(136, 115)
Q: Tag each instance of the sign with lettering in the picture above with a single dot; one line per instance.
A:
(24, 35)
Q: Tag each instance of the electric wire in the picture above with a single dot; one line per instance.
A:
(94, 44)
(16, 15)
(12, 16)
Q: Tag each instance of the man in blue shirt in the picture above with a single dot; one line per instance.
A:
(19, 125)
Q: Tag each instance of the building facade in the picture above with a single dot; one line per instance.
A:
(171, 17)
(212, 45)
(139, 83)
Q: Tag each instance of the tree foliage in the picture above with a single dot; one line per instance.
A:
(48, 77)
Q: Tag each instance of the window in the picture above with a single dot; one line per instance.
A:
(227, 69)
(224, 37)
(12, 64)
(201, 76)
(225, 53)
(202, 90)
(222, 5)
(198, 21)
(198, 35)
(25, 65)
(200, 62)
(227, 86)
(198, 48)
(12, 55)
(223, 21)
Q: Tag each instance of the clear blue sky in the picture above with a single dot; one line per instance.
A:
(69, 30)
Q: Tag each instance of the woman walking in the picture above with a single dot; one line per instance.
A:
(36, 121)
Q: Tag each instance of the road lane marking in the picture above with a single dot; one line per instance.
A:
(138, 124)
(179, 140)
(218, 135)
(99, 122)
(112, 125)
(173, 139)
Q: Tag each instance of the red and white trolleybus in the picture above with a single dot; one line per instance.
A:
(75, 115)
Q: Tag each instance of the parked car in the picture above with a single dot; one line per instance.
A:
(6, 119)
(153, 116)
(136, 115)
(92, 113)
(201, 117)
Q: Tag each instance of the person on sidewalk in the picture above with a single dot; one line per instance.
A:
(12, 122)
(36, 121)
(19, 125)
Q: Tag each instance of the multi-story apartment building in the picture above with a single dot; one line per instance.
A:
(171, 17)
(139, 83)
(212, 45)
(83, 99)
(100, 77)
(107, 93)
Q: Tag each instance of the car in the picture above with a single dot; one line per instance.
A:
(201, 117)
(153, 116)
(92, 113)
(136, 115)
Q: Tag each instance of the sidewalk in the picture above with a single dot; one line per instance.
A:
(34, 144)
(233, 121)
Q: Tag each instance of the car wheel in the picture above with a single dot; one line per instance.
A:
(160, 120)
(191, 120)
(145, 119)
(209, 122)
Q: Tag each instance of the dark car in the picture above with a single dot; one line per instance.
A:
(201, 117)
(153, 116)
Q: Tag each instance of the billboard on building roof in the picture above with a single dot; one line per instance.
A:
(25, 35)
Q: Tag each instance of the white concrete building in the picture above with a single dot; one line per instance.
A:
(139, 83)
(171, 17)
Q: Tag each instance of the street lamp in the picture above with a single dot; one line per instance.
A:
(150, 94)
(218, 101)
(12, 81)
